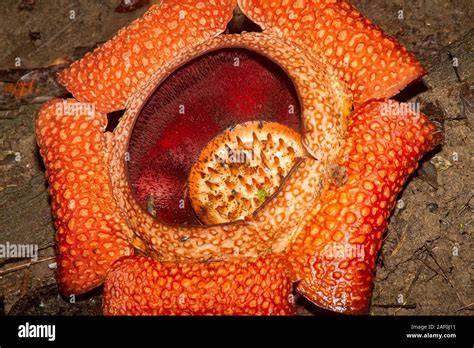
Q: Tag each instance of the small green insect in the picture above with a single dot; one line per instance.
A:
(262, 195)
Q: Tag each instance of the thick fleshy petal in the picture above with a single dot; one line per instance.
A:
(113, 72)
(90, 232)
(335, 252)
(141, 286)
(372, 64)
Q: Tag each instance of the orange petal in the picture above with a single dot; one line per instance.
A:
(113, 72)
(141, 286)
(90, 233)
(335, 252)
(372, 64)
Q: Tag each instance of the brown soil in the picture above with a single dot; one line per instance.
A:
(425, 266)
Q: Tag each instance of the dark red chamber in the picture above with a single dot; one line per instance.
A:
(193, 105)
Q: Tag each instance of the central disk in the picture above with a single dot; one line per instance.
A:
(239, 169)
(198, 102)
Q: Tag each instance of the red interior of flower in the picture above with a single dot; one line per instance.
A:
(193, 105)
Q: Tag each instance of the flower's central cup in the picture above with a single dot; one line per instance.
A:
(200, 103)
(271, 92)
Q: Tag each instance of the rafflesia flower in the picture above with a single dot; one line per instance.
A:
(244, 164)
